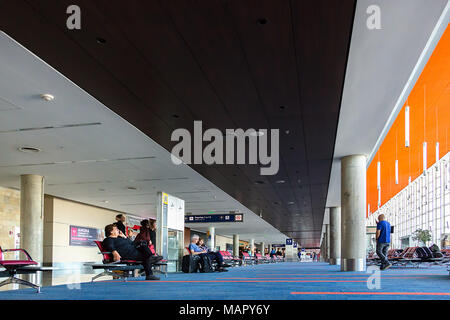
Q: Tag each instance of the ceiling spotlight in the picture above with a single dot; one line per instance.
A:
(261, 21)
(105, 201)
(100, 40)
(280, 181)
(29, 149)
(47, 97)
(290, 203)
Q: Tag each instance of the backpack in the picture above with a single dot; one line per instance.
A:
(205, 264)
(190, 264)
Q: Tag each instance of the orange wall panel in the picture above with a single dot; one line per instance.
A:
(429, 103)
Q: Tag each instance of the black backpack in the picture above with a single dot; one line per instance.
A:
(190, 263)
(205, 264)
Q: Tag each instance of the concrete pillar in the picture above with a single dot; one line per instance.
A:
(353, 211)
(252, 245)
(32, 215)
(270, 248)
(335, 236)
(212, 236)
(327, 242)
(236, 245)
(263, 246)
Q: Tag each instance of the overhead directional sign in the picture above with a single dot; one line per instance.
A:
(288, 242)
(230, 217)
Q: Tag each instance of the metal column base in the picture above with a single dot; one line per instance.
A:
(353, 264)
(109, 273)
(335, 261)
(12, 280)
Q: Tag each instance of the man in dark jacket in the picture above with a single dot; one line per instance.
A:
(123, 248)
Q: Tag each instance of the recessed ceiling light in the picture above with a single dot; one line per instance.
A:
(101, 189)
(105, 201)
(175, 116)
(47, 97)
(262, 21)
(290, 203)
(131, 188)
(101, 40)
(291, 148)
(259, 182)
(280, 181)
(282, 107)
(27, 149)
(275, 202)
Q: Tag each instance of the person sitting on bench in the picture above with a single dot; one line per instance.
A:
(123, 248)
(195, 249)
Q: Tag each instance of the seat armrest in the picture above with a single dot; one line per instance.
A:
(20, 250)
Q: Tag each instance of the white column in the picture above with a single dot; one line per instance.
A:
(263, 245)
(335, 235)
(212, 240)
(236, 245)
(32, 215)
(327, 243)
(353, 211)
(252, 245)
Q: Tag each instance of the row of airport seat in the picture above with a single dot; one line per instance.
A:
(413, 256)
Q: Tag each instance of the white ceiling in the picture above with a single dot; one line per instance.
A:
(91, 155)
(382, 68)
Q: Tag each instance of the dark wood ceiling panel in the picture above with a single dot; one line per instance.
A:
(230, 63)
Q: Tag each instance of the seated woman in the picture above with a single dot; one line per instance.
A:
(195, 249)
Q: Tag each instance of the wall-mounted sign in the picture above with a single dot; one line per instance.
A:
(295, 244)
(288, 242)
(84, 236)
(371, 229)
(278, 246)
(231, 217)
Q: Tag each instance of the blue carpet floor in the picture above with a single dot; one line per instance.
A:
(281, 281)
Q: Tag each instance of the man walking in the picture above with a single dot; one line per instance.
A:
(383, 236)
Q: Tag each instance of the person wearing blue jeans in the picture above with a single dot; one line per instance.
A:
(195, 249)
(383, 237)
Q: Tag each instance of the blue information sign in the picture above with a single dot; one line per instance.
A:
(231, 217)
(288, 242)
